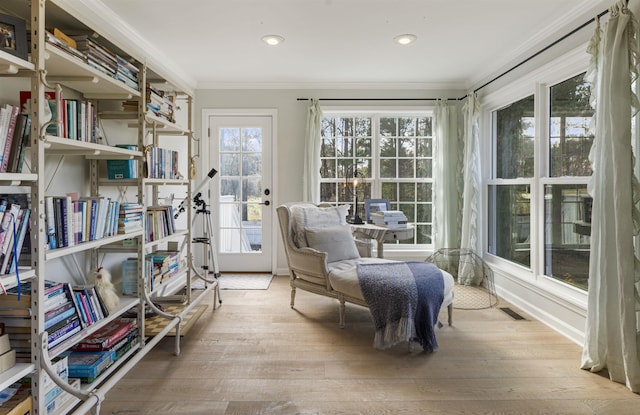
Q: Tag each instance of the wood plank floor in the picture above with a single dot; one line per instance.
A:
(255, 355)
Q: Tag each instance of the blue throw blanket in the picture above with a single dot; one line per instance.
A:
(404, 299)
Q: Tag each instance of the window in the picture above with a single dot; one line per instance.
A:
(510, 200)
(557, 193)
(392, 156)
(567, 207)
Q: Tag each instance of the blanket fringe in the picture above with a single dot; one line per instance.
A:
(399, 331)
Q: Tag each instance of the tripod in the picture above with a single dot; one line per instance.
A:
(209, 255)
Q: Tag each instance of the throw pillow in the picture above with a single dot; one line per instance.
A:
(315, 217)
(336, 241)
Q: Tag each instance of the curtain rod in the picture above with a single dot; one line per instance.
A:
(549, 46)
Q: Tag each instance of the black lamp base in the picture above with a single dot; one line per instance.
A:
(355, 220)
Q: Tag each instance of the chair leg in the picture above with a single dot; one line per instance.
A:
(293, 295)
(342, 312)
(450, 313)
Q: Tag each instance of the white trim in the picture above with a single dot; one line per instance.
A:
(110, 25)
(205, 152)
(460, 86)
(551, 301)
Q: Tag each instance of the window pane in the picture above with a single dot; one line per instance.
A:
(387, 168)
(509, 224)
(569, 137)
(514, 130)
(567, 213)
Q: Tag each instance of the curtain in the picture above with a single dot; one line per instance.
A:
(447, 177)
(467, 274)
(311, 175)
(611, 340)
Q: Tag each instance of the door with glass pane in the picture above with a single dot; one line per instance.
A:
(241, 147)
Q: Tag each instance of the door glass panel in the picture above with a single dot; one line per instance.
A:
(241, 190)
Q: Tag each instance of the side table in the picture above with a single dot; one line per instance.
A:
(381, 234)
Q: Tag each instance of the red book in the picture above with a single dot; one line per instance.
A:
(106, 337)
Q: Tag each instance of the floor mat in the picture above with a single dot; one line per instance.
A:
(244, 281)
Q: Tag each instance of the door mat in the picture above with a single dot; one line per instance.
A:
(244, 281)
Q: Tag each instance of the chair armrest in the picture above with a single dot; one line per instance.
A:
(310, 262)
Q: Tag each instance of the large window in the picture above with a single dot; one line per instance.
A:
(540, 177)
(391, 155)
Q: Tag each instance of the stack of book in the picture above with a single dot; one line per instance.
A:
(130, 217)
(392, 219)
(98, 57)
(64, 43)
(127, 73)
(164, 265)
(91, 356)
(160, 103)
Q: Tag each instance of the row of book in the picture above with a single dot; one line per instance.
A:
(71, 220)
(15, 130)
(392, 219)
(160, 267)
(14, 230)
(97, 56)
(160, 222)
(67, 310)
(162, 163)
(73, 118)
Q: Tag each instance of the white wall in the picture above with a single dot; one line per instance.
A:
(292, 119)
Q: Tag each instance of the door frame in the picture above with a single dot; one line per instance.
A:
(204, 152)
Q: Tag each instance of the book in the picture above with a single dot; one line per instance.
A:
(63, 333)
(89, 364)
(106, 337)
(6, 135)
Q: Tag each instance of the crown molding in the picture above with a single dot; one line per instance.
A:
(558, 28)
(104, 21)
(457, 86)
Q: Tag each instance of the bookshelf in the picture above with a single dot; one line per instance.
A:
(72, 169)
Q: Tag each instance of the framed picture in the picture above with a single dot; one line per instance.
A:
(375, 205)
(13, 36)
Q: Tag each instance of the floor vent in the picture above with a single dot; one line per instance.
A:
(512, 313)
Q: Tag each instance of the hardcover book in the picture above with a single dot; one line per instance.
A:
(106, 337)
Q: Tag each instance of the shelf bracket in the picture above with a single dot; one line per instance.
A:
(45, 363)
(108, 96)
(63, 79)
(8, 69)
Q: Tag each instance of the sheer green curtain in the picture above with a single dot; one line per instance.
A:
(467, 275)
(611, 337)
(447, 174)
(313, 142)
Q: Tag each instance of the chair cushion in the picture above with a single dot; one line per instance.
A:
(336, 241)
(315, 217)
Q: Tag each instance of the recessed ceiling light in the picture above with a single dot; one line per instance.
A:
(405, 39)
(272, 40)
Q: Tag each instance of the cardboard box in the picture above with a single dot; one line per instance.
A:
(7, 360)
(19, 404)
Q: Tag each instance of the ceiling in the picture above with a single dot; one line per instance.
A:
(349, 42)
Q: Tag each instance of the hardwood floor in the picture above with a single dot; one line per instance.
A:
(255, 355)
